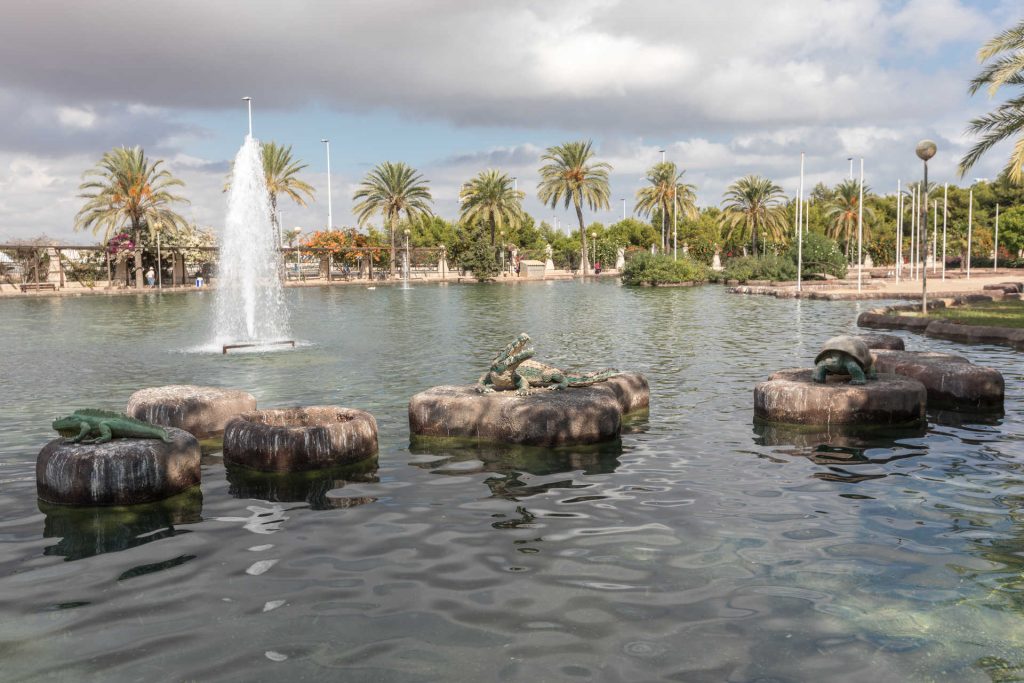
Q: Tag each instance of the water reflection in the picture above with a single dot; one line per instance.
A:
(840, 448)
(301, 487)
(88, 531)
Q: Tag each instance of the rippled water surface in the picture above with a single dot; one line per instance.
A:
(696, 549)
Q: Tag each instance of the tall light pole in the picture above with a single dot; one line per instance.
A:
(945, 213)
(330, 216)
(623, 208)
(515, 184)
(970, 227)
(995, 254)
(860, 229)
(925, 150)
(850, 159)
(899, 227)
(248, 102)
(664, 237)
(799, 228)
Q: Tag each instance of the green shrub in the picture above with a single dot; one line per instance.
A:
(820, 255)
(645, 269)
(766, 267)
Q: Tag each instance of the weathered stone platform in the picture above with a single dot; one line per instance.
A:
(792, 397)
(952, 381)
(119, 472)
(201, 411)
(578, 415)
(299, 439)
(882, 341)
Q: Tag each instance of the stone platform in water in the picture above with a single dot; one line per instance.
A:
(577, 415)
(300, 439)
(882, 341)
(119, 472)
(952, 381)
(201, 411)
(792, 397)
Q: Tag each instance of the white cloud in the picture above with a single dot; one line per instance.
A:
(74, 117)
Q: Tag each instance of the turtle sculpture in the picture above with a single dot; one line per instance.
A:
(845, 355)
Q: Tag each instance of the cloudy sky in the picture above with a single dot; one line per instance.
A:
(452, 87)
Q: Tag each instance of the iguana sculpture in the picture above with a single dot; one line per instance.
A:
(104, 425)
(845, 355)
(513, 368)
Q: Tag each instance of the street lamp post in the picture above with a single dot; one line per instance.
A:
(925, 150)
(663, 212)
(330, 216)
(593, 243)
(298, 265)
(248, 102)
(515, 184)
(502, 248)
(850, 159)
(623, 208)
(860, 229)
(407, 262)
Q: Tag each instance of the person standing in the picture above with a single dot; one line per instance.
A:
(151, 277)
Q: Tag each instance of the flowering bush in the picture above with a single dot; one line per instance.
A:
(120, 244)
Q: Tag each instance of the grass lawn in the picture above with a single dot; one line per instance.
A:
(998, 313)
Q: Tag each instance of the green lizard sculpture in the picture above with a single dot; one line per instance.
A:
(513, 368)
(105, 425)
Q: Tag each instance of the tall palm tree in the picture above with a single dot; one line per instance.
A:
(281, 173)
(842, 213)
(1005, 54)
(128, 190)
(754, 204)
(668, 193)
(391, 189)
(569, 176)
(490, 196)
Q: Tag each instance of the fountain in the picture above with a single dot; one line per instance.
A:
(250, 307)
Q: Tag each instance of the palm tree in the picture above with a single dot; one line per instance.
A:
(128, 190)
(281, 173)
(1006, 52)
(570, 177)
(751, 205)
(842, 213)
(668, 193)
(390, 189)
(490, 196)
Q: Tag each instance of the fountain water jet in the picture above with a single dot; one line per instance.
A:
(249, 300)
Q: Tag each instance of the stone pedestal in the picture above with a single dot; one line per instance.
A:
(300, 439)
(119, 472)
(202, 411)
(952, 381)
(577, 415)
(792, 397)
(882, 341)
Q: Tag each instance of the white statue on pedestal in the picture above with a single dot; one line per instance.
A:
(620, 258)
(549, 265)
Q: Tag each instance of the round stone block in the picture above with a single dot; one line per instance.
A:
(952, 381)
(201, 411)
(299, 439)
(546, 418)
(792, 397)
(119, 472)
(882, 341)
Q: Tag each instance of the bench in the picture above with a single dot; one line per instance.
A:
(38, 286)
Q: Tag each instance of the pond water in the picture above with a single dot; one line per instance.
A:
(697, 548)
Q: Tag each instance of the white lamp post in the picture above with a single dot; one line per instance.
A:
(945, 212)
(248, 102)
(799, 228)
(995, 254)
(623, 208)
(330, 217)
(925, 150)
(860, 228)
